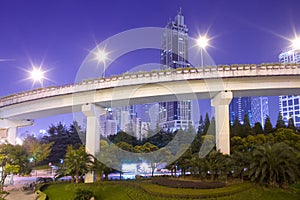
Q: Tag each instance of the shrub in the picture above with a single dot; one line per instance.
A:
(187, 184)
(83, 195)
(41, 195)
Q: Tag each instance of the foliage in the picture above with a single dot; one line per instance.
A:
(61, 137)
(287, 136)
(246, 126)
(291, 124)
(159, 138)
(41, 195)
(218, 165)
(82, 194)
(268, 128)
(144, 190)
(280, 122)
(10, 162)
(77, 163)
(180, 193)
(20, 156)
(37, 151)
(206, 124)
(240, 163)
(236, 129)
(257, 128)
(179, 183)
(274, 164)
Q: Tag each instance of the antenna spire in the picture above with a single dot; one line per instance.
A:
(180, 11)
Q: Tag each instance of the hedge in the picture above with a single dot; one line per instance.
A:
(168, 192)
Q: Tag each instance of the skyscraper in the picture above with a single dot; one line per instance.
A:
(289, 105)
(259, 109)
(174, 54)
(238, 108)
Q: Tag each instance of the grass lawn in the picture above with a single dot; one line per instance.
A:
(126, 190)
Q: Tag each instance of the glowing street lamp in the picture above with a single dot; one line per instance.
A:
(202, 43)
(296, 43)
(101, 56)
(37, 75)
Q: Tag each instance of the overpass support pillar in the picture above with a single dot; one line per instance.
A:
(221, 104)
(92, 146)
(12, 126)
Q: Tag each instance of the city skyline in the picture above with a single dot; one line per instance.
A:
(55, 35)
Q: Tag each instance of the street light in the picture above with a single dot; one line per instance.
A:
(296, 43)
(202, 42)
(37, 75)
(101, 56)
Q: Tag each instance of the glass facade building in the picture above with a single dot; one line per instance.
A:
(174, 54)
(289, 105)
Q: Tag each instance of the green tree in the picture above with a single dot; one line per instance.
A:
(77, 162)
(20, 156)
(11, 161)
(184, 162)
(287, 136)
(291, 124)
(206, 124)
(280, 122)
(240, 163)
(212, 127)
(246, 126)
(238, 143)
(273, 164)
(236, 129)
(36, 150)
(201, 126)
(257, 128)
(268, 128)
(61, 137)
(218, 165)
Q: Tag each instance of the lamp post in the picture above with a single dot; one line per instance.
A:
(296, 43)
(202, 42)
(37, 75)
(101, 56)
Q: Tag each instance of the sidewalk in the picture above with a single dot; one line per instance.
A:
(17, 194)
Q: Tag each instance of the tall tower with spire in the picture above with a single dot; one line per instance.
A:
(174, 54)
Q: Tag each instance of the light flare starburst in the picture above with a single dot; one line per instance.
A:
(296, 43)
(37, 75)
(202, 42)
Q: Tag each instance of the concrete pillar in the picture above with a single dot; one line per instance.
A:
(92, 113)
(12, 128)
(12, 135)
(221, 104)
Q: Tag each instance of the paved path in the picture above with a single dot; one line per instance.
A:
(19, 195)
(15, 192)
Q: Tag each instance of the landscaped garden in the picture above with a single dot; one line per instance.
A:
(123, 190)
(263, 163)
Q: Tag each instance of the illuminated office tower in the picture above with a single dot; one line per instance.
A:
(174, 54)
(259, 109)
(238, 108)
(289, 105)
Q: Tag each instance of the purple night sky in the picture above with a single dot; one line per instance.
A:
(60, 33)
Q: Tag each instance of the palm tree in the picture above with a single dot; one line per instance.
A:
(77, 162)
(240, 163)
(218, 164)
(274, 163)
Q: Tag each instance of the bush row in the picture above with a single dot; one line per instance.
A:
(176, 183)
(165, 192)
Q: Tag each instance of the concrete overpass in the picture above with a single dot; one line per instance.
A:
(220, 84)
